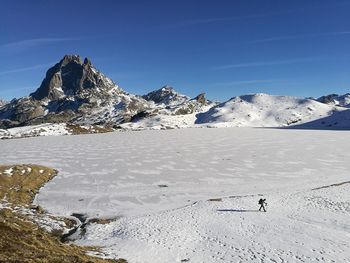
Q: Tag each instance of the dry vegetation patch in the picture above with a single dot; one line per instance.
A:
(22, 240)
(78, 129)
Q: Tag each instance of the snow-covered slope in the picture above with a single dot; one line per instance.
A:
(263, 110)
(172, 110)
(46, 129)
(50, 129)
(164, 120)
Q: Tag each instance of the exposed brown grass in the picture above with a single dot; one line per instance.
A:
(21, 182)
(77, 129)
(22, 240)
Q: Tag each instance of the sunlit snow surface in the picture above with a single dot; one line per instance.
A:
(118, 174)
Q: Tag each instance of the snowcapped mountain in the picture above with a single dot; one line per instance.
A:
(73, 91)
(335, 99)
(263, 110)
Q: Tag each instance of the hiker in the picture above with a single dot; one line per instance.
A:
(262, 202)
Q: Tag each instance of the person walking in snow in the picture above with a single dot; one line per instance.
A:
(262, 203)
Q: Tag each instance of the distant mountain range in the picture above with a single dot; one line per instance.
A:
(74, 92)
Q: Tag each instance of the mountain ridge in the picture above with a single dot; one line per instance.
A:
(75, 92)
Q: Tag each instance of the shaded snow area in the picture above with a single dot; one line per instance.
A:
(158, 183)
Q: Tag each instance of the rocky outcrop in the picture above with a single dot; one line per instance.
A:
(3, 103)
(335, 99)
(196, 104)
(166, 96)
(201, 99)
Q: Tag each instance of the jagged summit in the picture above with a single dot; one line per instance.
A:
(201, 99)
(71, 76)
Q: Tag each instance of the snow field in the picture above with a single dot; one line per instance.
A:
(159, 182)
(118, 174)
(307, 226)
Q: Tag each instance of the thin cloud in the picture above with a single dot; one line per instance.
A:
(271, 39)
(247, 82)
(225, 19)
(30, 43)
(268, 63)
(39, 66)
(216, 20)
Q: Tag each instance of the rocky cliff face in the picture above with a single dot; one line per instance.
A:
(73, 91)
(72, 77)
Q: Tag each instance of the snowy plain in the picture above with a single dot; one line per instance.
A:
(159, 183)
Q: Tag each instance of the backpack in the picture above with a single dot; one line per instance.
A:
(261, 201)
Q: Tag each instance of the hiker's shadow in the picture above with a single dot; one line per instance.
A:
(236, 210)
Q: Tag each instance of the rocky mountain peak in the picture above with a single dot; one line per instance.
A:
(70, 77)
(201, 99)
(70, 58)
(167, 88)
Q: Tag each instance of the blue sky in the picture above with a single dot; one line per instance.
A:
(223, 48)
